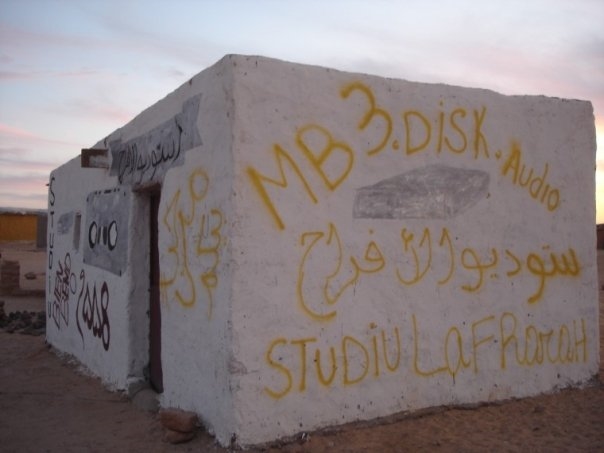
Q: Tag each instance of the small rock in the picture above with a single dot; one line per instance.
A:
(178, 420)
(176, 437)
(30, 276)
(146, 399)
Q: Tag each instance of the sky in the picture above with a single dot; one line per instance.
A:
(73, 71)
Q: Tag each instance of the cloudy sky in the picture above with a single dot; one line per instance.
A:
(71, 72)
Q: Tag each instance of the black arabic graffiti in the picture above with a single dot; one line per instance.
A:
(65, 283)
(148, 156)
(132, 162)
(94, 310)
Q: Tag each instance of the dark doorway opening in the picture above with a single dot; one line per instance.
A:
(155, 366)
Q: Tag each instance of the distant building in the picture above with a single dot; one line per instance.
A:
(23, 225)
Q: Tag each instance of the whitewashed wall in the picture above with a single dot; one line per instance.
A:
(196, 216)
(403, 245)
(334, 247)
(182, 144)
(87, 313)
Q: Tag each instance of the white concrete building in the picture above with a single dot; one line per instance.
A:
(281, 247)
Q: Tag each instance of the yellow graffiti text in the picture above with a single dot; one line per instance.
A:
(332, 158)
(326, 273)
(527, 178)
(531, 345)
(352, 360)
(327, 270)
(491, 345)
(195, 233)
(418, 252)
(372, 112)
(259, 182)
(455, 132)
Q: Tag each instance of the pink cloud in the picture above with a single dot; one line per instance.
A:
(12, 132)
(15, 131)
(18, 165)
(105, 110)
(24, 191)
(15, 37)
(27, 75)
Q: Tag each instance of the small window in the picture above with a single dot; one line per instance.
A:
(76, 231)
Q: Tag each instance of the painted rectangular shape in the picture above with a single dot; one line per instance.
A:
(106, 230)
(147, 157)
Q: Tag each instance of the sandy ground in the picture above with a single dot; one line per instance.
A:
(49, 404)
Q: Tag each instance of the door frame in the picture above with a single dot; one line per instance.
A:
(155, 332)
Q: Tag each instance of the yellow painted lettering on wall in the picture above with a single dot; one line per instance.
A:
(259, 182)
(325, 154)
(332, 278)
(452, 132)
(208, 245)
(417, 132)
(332, 158)
(463, 141)
(446, 238)
(347, 342)
(562, 265)
(332, 243)
(525, 177)
(516, 261)
(485, 340)
(283, 370)
(351, 361)
(416, 355)
(327, 270)
(372, 112)
(297, 364)
(302, 344)
(419, 270)
(534, 346)
(320, 376)
(471, 262)
(454, 357)
(480, 141)
(397, 343)
(185, 222)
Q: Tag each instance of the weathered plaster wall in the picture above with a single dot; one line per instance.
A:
(333, 247)
(403, 245)
(86, 304)
(98, 288)
(196, 214)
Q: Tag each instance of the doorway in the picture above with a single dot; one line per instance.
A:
(155, 365)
